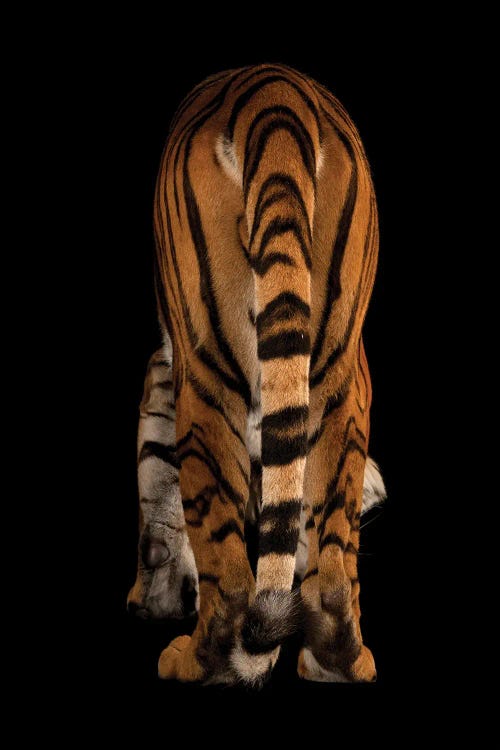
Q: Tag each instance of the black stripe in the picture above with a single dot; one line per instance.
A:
(159, 363)
(281, 515)
(335, 501)
(292, 416)
(157, 414)
(233, 495)
(314, 438)
(164, 385)
(194, 93)
(310, 574)
(301, 137)
(280, 451)
(351, 549)
(333, 285)
(261, 267)
(309, 524)
(320, 375)
(283, 307)
(288, 187)
(277, 227)
(187, 437)
(256, 465)
(331, 539)
(203, 500)
(206, 281)
(285, 344)
(276, 68)
(279, 543)
(263, 206)
(249, 93)
(204, 395)
(339, 399)
(165, 453)
(200, 351)
(287, 112)
(208, 578)
(230, 527)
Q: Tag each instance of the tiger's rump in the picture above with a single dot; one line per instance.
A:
(267, 238)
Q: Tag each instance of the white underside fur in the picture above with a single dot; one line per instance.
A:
(374, 491)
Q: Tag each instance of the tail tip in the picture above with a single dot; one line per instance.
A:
(273, 616)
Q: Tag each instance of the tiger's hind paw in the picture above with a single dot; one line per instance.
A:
(178, 661)
(362, 669)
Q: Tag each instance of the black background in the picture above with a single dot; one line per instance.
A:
(126, 93)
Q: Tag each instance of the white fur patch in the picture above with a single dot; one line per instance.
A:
(167, 347)
(228, 159)
(320, 160)
(316, 673)
(251, 667)
(253, 436)
(374, 491)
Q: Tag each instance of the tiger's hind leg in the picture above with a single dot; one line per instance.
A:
(166, 584)
(334, 649)
(214, 481)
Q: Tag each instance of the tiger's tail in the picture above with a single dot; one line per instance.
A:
(278, 143)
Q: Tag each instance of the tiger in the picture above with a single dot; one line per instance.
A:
(256, 407)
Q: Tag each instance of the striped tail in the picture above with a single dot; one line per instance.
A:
(279, 148)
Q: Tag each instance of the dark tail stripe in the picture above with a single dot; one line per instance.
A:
(280, 451)
(281, 515)
(286, 344)
(261, 267)
(283, 307)
(278, 542)
(306, 149)
(292, 416)
(277, 227)
(281, 112)
(243, 100)
(288, 187)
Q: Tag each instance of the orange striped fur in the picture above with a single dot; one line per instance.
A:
(267, 240)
